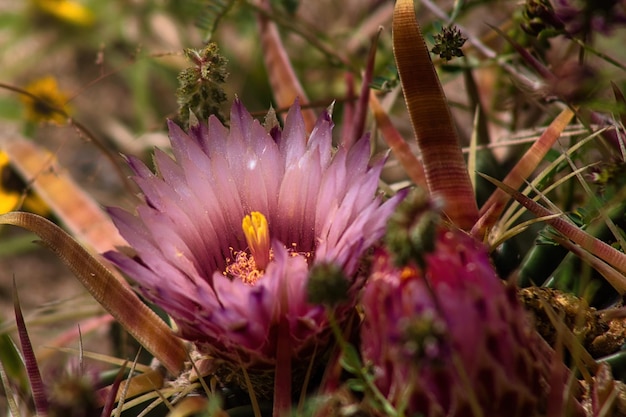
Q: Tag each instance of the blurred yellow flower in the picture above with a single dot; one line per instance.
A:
(50, 104)
(12, 190)
(67, 11)
(9, 198)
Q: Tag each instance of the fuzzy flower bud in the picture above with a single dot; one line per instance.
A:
(327, 284)
(411, 229)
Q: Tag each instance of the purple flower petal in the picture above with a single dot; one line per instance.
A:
(191, 250)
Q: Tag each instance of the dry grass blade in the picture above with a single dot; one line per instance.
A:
(512, 213)
(285, 84)
(134, 386)
(397, 144)
(118, 299)
(586, 241)
(82, 216)
(491, 210)
(620, 100)
(356, 124)
(8, 392)
(517, 229)
(106, 359)
(444, 166)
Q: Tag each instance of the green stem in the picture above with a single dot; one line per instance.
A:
(282, 377)
(387, 406)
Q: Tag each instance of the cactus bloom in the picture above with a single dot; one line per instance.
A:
(231, 228)
(453, 340)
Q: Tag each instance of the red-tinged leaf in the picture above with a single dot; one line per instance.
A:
(613, 277)
(357, 123)
(109, 394)
(37, 387)
(444, 166)
(589, 243)
(117, 298)
(397, 144)
(285, 84)
(492, 209)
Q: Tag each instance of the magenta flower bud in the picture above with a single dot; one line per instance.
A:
(454, 338)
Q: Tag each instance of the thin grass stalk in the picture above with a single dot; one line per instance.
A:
(471, 156)
(167, 392)
(493, 208)
(8, 392)
(136, 385)
(483, 154)
(596, 201)
(121, 397)
(81, 130)
(620, 101)
(55, 344)
(510, 220)
(519, 228)
(586, 241)
(111, 360)
(444, 166)
(118, 299)
(253, 399)
(510, 215)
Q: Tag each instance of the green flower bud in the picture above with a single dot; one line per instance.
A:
(327, 284)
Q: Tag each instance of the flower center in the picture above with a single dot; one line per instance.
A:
(257, 234)
(250, 267)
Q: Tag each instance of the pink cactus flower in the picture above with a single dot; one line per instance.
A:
(231, 228)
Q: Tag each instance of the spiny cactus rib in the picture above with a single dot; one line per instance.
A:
(438, 141)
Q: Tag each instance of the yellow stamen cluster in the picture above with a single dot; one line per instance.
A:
(257, 233)
(249, 266)
(243, 267)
